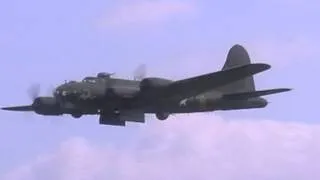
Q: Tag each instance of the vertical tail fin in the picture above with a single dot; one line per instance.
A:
(238, 56)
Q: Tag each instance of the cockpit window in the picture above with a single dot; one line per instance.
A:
(69, 82)
(89, 80)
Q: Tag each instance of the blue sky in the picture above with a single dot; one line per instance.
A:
(48, 42)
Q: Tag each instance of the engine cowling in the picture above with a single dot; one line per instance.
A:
(162, 115)
(46, 106)
(149, 83)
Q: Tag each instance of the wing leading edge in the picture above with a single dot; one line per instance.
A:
(18, 108)
(185, 88)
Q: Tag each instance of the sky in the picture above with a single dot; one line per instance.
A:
(48, 42)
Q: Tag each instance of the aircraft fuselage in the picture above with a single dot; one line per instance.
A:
(122, 97)
(121, 100)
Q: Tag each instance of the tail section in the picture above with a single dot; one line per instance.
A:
(242, 94)
(238, 56)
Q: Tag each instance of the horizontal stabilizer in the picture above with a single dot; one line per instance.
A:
(247, 95)
(18, 108)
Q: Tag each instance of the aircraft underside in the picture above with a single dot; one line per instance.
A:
(119, 117)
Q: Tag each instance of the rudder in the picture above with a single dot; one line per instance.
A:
(238, 56)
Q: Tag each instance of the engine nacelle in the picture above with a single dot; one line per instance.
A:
(149, 83)
(162, 115)
(47, 106)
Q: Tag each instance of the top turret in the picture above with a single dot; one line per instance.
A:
(104, 75)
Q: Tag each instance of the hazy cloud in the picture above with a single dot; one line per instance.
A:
(284, 51)
(190, 147)
(136, 12)
(277, 52)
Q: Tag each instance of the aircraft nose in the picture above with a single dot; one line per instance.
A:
(64, 91)
(72, 92)
(60, 91)
(57, 91)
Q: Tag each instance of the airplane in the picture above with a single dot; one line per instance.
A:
(118, 101)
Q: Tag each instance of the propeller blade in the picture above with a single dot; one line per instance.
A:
(51, 90)
(140, 72)
(34, 91)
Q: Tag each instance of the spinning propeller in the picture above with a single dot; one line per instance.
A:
(33, 92)
(140, 72)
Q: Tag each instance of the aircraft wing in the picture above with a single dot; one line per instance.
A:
(185, 88)
(18, 108)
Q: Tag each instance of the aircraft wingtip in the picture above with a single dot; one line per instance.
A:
(281, 90)
(265, 64)
(18, 108)
(287, 89)
(261, 66)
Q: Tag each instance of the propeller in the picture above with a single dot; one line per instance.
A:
(34, 91)
(51, 90)
(140, 72)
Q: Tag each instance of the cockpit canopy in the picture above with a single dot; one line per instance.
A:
(90, 79)
(69, 82)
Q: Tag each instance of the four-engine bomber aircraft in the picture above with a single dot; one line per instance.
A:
(121, 100)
